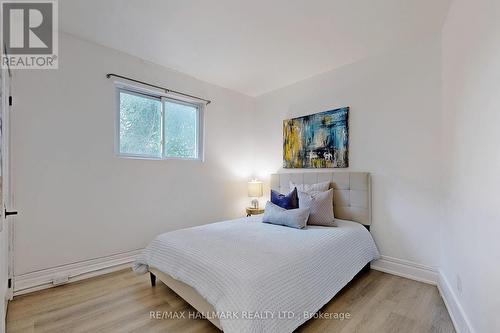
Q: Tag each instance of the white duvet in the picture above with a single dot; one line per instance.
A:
(262, 277)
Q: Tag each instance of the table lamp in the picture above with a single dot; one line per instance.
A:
(255, 191)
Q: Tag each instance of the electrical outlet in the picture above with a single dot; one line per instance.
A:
(61, 279)
(459, 284)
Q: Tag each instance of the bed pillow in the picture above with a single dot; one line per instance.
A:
(289, 201)
(321, 207)
(293, 218)
(309, 188)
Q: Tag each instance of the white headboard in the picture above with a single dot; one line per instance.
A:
(351, 191)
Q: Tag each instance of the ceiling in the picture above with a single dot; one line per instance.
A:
(252, 46)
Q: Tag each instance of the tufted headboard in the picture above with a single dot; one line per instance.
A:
(351, 191)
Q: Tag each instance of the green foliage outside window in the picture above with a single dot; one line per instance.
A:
(180, 130)
(141, 123)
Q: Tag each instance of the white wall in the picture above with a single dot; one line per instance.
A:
(471, 113)
(394, 134)
(76, 199)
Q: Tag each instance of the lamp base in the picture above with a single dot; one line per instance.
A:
(255, 203)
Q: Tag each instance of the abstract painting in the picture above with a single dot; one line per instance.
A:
(320, 140)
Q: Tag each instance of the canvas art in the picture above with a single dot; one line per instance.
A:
(320, 140)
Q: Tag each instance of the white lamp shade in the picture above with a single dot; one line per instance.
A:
(255, 189)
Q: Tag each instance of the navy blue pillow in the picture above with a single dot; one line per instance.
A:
(289, 201)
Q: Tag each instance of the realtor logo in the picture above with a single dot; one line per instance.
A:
(29, 34)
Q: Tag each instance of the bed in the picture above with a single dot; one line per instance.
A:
(248, 276)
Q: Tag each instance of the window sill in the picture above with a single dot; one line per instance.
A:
(152, 158)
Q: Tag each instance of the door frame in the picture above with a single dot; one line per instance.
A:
(6, 177)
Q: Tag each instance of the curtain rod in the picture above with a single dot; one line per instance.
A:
(158, 87)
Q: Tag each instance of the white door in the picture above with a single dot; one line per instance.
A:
(5, 197)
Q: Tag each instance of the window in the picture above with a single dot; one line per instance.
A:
(158, 127)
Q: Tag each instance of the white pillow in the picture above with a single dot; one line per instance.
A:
(321, 207)
(309, 188)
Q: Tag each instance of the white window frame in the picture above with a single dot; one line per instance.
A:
(162, 97)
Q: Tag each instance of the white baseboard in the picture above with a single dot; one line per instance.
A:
(29, 282)
(406, 269)
(429, 275)
(457, 314)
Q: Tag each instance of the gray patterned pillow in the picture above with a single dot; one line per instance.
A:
(321, 207)
(294, 218)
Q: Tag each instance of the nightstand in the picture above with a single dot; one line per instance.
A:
(254, 211)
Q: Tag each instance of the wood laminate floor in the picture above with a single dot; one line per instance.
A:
(122, 302)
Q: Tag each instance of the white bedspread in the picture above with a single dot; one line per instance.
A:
(250, 269)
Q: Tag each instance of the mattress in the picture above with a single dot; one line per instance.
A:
(261, 277)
